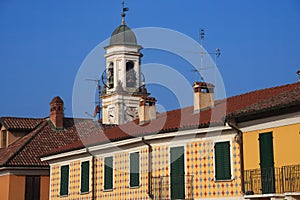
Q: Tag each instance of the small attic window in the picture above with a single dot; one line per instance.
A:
(4, 139)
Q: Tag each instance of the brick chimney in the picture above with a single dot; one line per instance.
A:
(57, 112)
(147, 109)
(203, 96)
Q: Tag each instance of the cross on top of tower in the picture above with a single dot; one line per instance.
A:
(124, 9)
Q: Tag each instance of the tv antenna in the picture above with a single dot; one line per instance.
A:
(216, 54)
(97, 110)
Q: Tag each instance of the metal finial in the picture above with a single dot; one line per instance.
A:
(124, 9)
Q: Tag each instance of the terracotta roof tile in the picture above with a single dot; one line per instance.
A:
(186, 118)
(27, 150)
(81, 132)
(16, 123)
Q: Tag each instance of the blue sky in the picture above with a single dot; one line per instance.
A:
(43, 43)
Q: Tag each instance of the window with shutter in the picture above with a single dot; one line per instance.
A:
(64, 180)
(222, 161)
(267, 162)
(134, 169)
(177, 173)
(85, 176)
(108, 173)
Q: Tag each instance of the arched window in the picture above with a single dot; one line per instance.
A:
(110, 75)
(130, 74)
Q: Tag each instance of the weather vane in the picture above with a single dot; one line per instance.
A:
(124, 9)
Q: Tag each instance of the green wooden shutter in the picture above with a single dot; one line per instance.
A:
(267, 162)
(177, 173)
(134, 169)
(222, 161)
(266, 150)
(108, 173)
(64, 180)
(85, 176)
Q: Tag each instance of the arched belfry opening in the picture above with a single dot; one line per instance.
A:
(110, 75)
(130, 74)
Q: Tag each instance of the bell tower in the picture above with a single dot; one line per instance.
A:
(122, 78)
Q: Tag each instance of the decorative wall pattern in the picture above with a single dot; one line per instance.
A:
(200, 164)
(121, 189)
(74, 183)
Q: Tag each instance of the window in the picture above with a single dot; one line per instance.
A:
(177, 177)
(110, 75)
(4, 138)
(130, 75)
(32, 188)
(222, 161)
(108, 173)
(134, 169)
(85, 176)
(64, 180)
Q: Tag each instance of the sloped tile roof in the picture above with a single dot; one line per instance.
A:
(185, 118)
(21, 124)
(284, 99)
(27, 150)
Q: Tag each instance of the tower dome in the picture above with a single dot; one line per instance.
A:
(123, 35)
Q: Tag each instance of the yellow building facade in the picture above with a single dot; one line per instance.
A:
(271, 157)
(198, 161)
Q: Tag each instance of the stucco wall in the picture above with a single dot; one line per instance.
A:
(4, 185)
(286, 140)
(44, 187)
(17, 187)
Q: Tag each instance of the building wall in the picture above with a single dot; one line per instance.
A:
(4, 185)
(286, 140)
(44, 187)
(199, 164)
(74, 181)
(121, 189)
(13, 136)
(13, 187)
(17, 187)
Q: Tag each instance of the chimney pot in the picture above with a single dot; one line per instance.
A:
(203, 96)
(57, 112)
(147, 109)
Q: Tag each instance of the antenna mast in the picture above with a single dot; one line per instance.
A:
(97, 110)
(216, 54)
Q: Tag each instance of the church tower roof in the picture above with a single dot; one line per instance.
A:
(123, 35)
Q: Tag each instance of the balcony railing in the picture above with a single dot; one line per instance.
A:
(272, 180)
(162, 187)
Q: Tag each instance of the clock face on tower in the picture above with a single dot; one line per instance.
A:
(112, 115)
(131, 113)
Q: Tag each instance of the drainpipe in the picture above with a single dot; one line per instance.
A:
(239, 138)
(93, 177)
(93, 173)
(149, 168)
